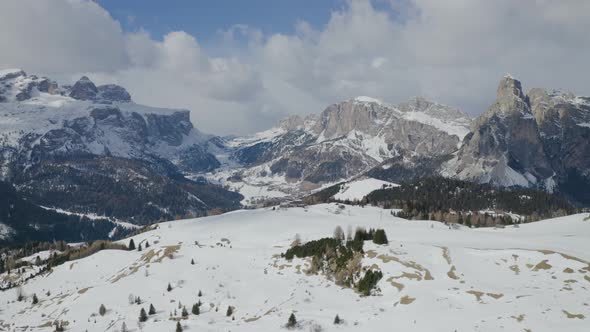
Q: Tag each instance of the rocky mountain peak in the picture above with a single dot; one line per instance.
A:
(7, 74)
(505, 146)
(510, 101)
(113, 93)
(291, 122)
(16, 85)
(365, 99)
(433, 109)
(509, 88)
(540, 103)
(84, 89)
(341, 118)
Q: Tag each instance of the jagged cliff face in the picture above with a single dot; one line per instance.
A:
(535, 140)
(504, 147)
(84, 147)
(564, 124)
(345, 140)
(88, 120)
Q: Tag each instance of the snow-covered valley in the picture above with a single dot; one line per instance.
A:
(534, 277)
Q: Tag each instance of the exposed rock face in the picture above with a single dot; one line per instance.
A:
(112, 92)
(504, 147)
(84, 89)
(564, 124)
(535, 140)
(76, 148)
(345, 140)
(16, 85)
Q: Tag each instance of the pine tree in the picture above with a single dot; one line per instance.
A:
(102, 310)
(184, 312)
(178, 327)
(169, 288)
(292, 321)
(339, 233)
(142, 315)
(131, 245)
(124, 327)
(229, 311)
(139, 247)
(152, 310)
(147, 244)
(196, 310)
(35, 299)
(379, 237)
(200, 293)
(192, 262)
(337, 320)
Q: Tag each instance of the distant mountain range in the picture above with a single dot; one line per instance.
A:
(537, 140)
(90, 149)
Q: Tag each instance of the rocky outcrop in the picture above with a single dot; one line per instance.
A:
(345, 140)
(564, 124)
(113, 93)
(504, 147)
(84, 89)
(538, 139)
(87, 147)
(16, 85)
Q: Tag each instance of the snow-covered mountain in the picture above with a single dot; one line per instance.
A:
(434, 277)
(538, 140)
(344, 141)
(91, 149)
(88, 120)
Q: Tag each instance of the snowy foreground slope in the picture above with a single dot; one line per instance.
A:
(532, 278)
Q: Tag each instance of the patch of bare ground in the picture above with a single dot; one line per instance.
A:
(519, 318)
(407, 300)
(83, 290)
(479, 295)
(397, 285)
(572, 316)
(446, 255)
(494, 295)
(169, 252)
(515, 269)
(409, 264)
(452, 273)
(543, 265)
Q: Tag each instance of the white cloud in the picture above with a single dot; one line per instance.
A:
(451, 51)
(59, 36)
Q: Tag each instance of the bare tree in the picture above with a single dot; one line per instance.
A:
(338, 233)
(297, 241)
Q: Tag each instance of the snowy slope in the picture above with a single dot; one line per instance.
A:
(357, 189)
(535, 277)
(343, 141)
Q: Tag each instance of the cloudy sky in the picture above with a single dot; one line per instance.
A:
(239, 66)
